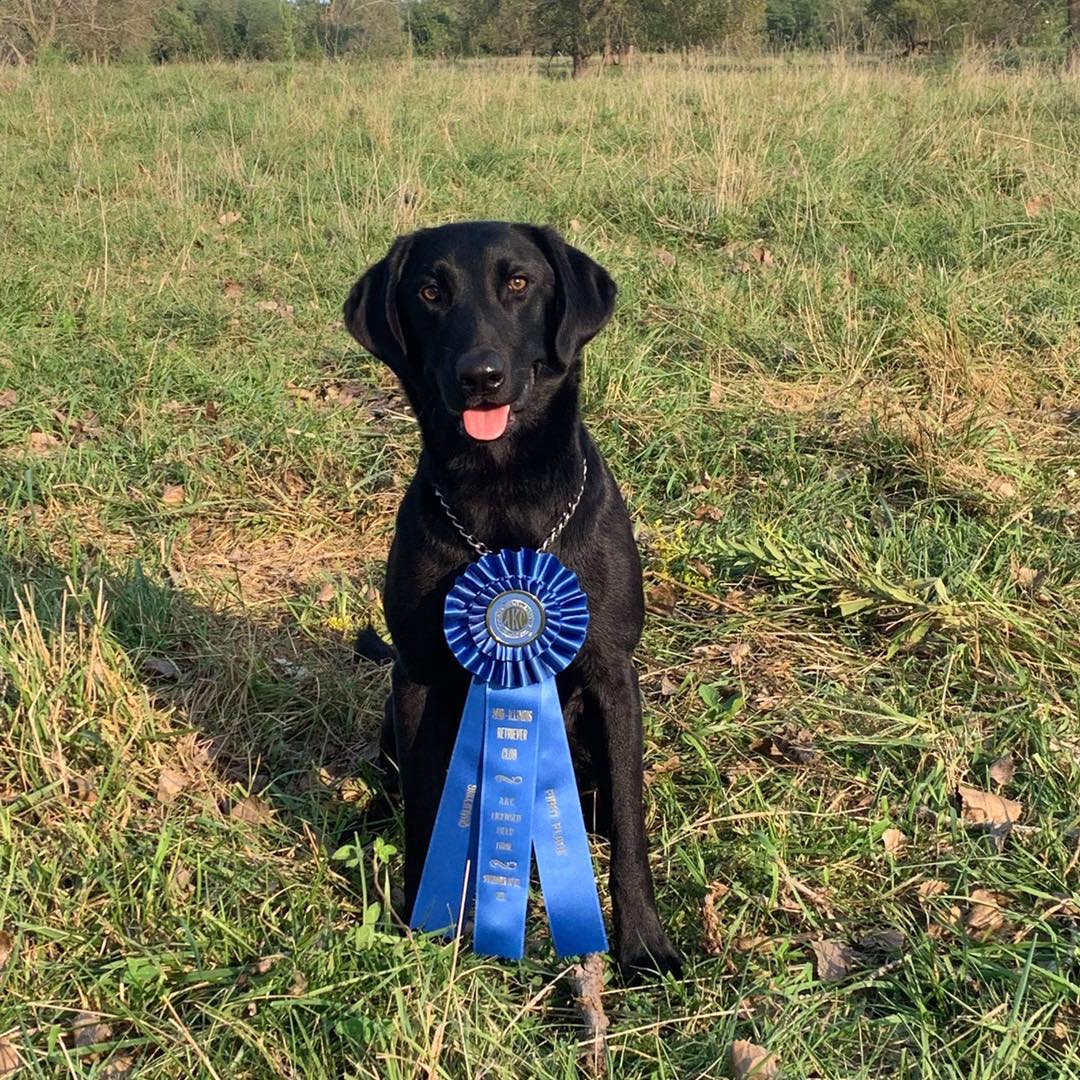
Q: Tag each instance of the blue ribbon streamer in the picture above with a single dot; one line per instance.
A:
(513, 619)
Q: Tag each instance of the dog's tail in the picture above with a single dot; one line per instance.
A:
(369, 646)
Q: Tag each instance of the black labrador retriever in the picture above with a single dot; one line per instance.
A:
(484, 323)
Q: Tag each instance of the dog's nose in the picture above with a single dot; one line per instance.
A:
(481, 371)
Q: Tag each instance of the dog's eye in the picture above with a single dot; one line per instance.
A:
(430, 293)
(518, 283)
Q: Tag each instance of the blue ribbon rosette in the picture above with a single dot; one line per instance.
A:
(514, 620)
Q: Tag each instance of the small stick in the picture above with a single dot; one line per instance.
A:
(587, 985)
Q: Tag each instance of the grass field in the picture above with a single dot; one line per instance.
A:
(842, 394)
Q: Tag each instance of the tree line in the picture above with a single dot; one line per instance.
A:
(192, 30)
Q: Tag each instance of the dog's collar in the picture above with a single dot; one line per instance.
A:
(482, 549)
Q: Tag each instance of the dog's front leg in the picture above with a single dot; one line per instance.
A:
(425, 724)
(640, 942)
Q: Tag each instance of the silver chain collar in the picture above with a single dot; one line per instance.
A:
(482, 549)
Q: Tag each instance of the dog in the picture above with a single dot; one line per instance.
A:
(484, 324)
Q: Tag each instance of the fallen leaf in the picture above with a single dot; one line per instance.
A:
(251, 810)
(762, 255)
(738, 653)
(173, 495)
(833, 960)
(42, 442)
(1001, 486)
(660, 599)
(984, 915)
(291, 668)
(664, 257)
(265, 963)
(662, 768)
(894, 840)
(1066, 1021)
(8, 398)
(1025, 577)
(886, 939)
(794, 746)
(927, 890)
(233, 289)
(119, 1067)
(575, 225)
(1002, 770)
(169, 785)
(88, 1029)
(712, 936)
(985, 808)
(752, 1062)
(10, 1059)
(325, 594)
(230, 217)
(1036, 204)
(278, 307)
(301, 393)
(753, 1006)
(82, 790)
(7, 944)
(708, 512)
(162, 668)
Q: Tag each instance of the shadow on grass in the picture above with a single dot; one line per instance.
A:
(270, 708)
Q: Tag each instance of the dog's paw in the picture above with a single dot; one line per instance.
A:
(640, 959)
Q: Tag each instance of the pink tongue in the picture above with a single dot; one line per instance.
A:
(486, 424)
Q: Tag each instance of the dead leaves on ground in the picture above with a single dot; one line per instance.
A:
(984, 917)
(173, 495)
(161, 667)
(790, 746)
(10, 1058)
(381, 402)
(711, 926)
(278, 308)
(170, 784)
(893, 840)
(1034, 206)
(42, 442)
(752, 1062)
(252, 811)
(763, 256)
(994, 813)
(88, 1030)
(833, 960)
(1002, 770)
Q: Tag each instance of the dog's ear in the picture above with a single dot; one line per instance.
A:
(584, 295)
(371, 312)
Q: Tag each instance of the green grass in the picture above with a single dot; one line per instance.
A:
(841, 394)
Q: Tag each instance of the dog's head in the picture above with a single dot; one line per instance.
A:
(482, 322)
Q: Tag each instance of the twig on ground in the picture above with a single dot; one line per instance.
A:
(587, 986)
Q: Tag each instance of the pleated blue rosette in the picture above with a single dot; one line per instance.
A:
(513, 620)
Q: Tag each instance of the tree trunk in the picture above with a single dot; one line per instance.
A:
(1073, 35)
(580, 63)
